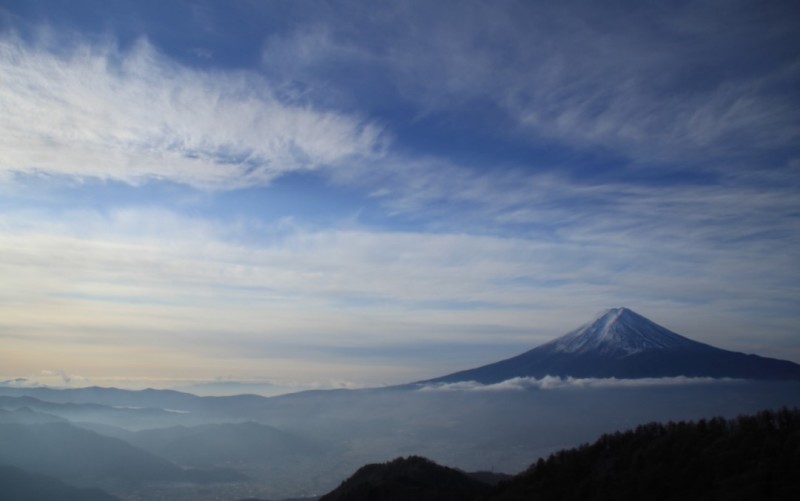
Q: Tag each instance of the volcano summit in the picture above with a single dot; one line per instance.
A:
(621, 343)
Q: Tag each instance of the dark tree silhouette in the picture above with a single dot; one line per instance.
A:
(750, 457)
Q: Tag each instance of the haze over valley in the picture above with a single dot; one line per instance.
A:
(162, 443)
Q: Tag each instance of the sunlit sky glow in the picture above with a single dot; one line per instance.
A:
(335, 194)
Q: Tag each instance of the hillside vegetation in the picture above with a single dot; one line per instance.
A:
(750, 457)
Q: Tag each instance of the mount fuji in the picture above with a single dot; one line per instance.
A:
(620, 343)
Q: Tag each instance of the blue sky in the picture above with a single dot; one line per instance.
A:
(347, 193)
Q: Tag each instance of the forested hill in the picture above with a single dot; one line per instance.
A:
(408, 478)
(753, 457)
(750, 457)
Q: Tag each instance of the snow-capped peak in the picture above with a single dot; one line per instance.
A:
(620, 332)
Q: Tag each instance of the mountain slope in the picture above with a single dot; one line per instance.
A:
(20, 485)
(134, 409)
(24, 415)
(126, 416)
(158, 399)
(623, 344)
(84, 457)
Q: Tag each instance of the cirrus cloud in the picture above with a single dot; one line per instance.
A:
(95, 110)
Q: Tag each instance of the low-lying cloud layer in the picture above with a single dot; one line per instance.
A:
(558, 383)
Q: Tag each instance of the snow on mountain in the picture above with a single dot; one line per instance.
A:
(620, 332)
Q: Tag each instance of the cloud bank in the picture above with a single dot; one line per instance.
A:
(557, 383)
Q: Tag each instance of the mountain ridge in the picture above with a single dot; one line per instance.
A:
(620, 343)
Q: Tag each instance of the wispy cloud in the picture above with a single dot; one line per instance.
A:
(20, 382)
(134, 115)
(639, 236)
(156, 278)
(656, 85)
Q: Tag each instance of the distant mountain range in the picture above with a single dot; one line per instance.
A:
(64, 451)
(214, 444)
(620, 343)
(162, 444)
